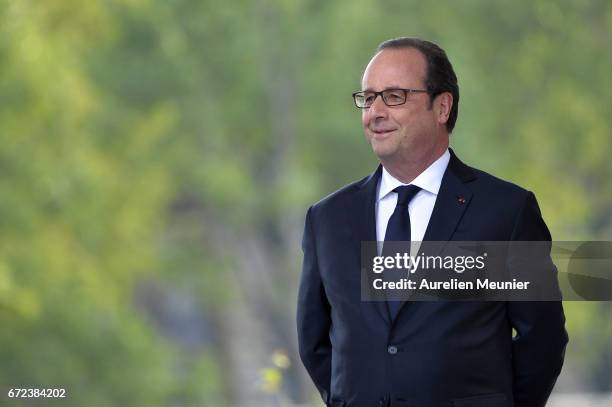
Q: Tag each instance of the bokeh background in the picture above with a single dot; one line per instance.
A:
(157, 158)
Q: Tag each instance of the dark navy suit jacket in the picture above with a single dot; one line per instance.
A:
(443, 353)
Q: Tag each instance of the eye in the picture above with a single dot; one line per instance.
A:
(369, 98)
(394, 96)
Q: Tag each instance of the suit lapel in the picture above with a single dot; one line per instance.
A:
(361, 209)
(362, 217)
(453, 199)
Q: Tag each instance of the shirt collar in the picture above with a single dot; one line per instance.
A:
(429, 180)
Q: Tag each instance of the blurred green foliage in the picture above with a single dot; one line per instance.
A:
(139, 136)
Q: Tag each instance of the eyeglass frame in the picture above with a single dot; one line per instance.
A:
(376, 94)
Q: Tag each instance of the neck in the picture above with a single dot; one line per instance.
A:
(406, 170)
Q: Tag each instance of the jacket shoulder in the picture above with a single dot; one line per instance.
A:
(500, 186)
(340, 196)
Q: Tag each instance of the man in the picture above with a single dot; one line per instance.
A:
(441, 353)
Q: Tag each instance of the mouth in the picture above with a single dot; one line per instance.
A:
(381, 132)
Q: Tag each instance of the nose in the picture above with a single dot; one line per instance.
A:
(378, 109)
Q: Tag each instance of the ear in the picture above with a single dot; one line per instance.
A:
(443, 104)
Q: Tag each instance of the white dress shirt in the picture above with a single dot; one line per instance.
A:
(419, 208)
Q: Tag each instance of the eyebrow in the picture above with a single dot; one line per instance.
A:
(386, 88)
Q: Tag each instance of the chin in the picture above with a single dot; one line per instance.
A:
(383, 149)
(383, 153)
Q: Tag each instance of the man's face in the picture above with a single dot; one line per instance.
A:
(405, 132)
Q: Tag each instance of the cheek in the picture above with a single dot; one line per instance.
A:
(365, 118)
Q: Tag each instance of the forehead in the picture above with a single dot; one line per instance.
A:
(403, 67)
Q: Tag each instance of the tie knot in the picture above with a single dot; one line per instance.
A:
(405, 193)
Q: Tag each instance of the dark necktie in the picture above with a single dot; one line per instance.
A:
(398, 229)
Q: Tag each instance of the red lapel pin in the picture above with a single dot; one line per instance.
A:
(461, 200)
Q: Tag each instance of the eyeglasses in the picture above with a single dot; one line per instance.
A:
(391, 97)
